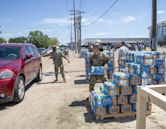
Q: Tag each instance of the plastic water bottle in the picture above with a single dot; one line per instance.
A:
(144, 79)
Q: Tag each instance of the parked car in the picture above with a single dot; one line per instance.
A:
(49, 50)
(83, 53)
(42, 51)
(20, 64)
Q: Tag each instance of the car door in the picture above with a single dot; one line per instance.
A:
(33, 62)
(27, 65)
(36, 60)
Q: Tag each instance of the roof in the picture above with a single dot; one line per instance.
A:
(116, 40)
(14, 44)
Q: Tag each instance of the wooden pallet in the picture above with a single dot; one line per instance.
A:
(119, 115)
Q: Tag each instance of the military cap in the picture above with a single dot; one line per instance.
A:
(96, 45)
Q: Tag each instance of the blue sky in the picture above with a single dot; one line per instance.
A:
(128, 18)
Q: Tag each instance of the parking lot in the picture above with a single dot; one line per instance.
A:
(50, 105)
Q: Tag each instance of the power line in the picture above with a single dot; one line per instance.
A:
(80, 7)
(105, 12)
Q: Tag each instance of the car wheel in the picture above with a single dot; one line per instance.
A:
(19, 90)
(39, 75)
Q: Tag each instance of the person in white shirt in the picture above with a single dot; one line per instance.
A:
(122, 53)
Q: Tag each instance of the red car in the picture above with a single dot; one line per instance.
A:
(20, 64)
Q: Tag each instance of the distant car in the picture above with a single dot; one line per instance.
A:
(83, 53)
(42, 51)
(49, 50)
(20, 64)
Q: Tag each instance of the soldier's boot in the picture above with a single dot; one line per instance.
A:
(56, 78)
(64, 80)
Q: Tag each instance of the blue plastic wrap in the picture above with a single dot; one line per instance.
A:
(96, 70)
(120, 79)
(110, 89)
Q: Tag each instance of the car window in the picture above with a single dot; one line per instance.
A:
(31, 50)
(35, 50)
(26, 51)
(9, 52)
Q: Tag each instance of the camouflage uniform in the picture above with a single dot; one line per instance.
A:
(97, 60)
(58, 63)
(66, 53)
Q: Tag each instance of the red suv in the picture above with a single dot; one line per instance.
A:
(20, 64)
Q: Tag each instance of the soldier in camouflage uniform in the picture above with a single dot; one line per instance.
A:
(97, 59)
(58, 63)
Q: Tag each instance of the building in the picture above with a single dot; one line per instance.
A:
(161, 32)
(116, 41)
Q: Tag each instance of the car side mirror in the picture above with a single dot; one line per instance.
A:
(28, 56)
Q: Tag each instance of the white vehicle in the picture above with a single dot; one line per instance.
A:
(49, 50)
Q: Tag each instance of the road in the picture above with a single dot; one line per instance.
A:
(58, 105)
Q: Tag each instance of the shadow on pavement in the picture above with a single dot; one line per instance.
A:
(49, 74)
(84, 81)
(6, 105)
(49, 82)
(90, 118)
(74, 71)
(81, 76)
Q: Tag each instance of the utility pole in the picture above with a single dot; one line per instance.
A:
(71, 32)
(79, 32)
(154, 41)
(75, 35)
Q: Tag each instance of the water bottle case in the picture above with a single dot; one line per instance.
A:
(100, 111)
(126, 90)
(111, 89)
(114, 109)
(97, 70)
(122, 99)
(161, 69)
(135, 79)
(133, 98)
(120, 79)
(126, 108)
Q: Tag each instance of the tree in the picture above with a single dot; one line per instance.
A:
(41, 40)
(2, 40)
(18, 40)
(53, 41)
(37, 38)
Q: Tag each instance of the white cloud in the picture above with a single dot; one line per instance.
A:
(57, 21)
(160, 11)
(127, 19)
(6, 35)
(19, 34)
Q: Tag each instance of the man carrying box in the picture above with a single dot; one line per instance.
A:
(97, 59)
